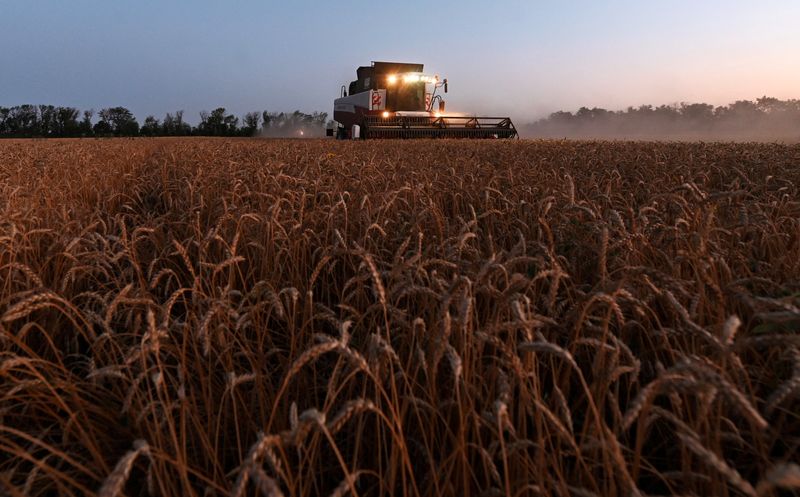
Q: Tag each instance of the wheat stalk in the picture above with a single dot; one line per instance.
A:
(115, 482)
(717, 463)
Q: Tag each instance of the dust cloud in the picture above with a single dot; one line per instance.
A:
(293, 125)
(765, 119)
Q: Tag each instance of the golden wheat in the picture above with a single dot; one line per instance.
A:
(415, 318)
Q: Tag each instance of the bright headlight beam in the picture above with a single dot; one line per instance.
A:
(412, 77)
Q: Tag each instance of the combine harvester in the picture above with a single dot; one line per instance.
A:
(398, 100)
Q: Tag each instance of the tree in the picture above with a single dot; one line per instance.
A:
(168, 125)
(23, 121)
(266, 119)
(231, 124)
(47, 121)
(102, 128)
(4, 112)
(174, 125)
(697, 117)
(742, 109)
(181, 128)
(250, 121)
(67, 121)
(151, 127)
(121, 121)
(769, 104)
(85, 127)
(218, 123)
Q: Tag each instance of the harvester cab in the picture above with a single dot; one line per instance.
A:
(399, 100)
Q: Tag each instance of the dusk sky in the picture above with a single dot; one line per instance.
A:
(521, 58)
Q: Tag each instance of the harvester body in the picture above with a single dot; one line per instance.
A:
(398, 100)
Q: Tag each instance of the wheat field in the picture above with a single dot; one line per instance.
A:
(414, 318)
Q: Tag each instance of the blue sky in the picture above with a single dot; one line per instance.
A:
(523, 58)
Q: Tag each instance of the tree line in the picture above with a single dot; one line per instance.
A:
(764, 117)
(48, 121)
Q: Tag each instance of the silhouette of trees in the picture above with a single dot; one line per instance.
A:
(151, 127)
(102, 128)
(27, 121)
(766, 117)
(85, 125)
(67, 122)
(47, 119)
(218, 123)
(250, 123)
(120, 120)
(175, 126)
(20, 121)
(42, 120)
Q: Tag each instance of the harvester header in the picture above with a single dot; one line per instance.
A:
(400, 100)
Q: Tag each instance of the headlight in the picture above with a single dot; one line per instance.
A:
(385, 114)
(391, 79)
